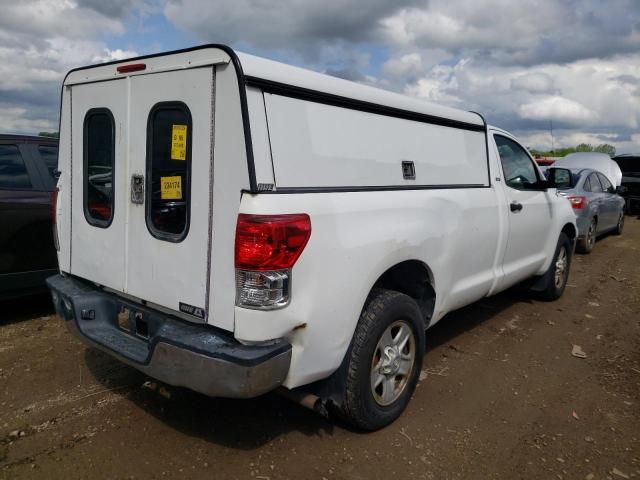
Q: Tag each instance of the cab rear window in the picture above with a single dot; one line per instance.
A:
(168, 171)
(99, 152)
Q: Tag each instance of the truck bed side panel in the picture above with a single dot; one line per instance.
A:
(356, 237)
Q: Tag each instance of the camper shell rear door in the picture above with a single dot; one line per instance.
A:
(141, 187)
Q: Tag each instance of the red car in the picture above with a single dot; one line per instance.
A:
(545, 162)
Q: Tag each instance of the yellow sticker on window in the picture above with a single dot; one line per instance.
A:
(171, 188)
(178, 142)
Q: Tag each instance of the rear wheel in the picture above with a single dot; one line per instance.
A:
(555, 278)
(586, 244)
(620, 225)
(384, 360)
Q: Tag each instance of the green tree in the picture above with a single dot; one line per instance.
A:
(584, 147)
(606, 148)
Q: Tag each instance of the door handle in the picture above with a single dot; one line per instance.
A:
(515, 206)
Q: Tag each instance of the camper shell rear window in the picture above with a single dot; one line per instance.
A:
(168, 184)
(98, 166)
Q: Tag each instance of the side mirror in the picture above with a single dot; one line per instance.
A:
(621, 190)
(560, 178)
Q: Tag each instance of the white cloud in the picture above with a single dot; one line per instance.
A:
(537, 82)
(596, 95)
(558, 108)
(50, 18)
(293, 25)
(409, 64)
(525, 32)
(518, 63)
(40, 40)
(108, 55)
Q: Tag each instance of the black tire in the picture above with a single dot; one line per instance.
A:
(553, 287)
(586, 244)
(620, 226)
(383, 310)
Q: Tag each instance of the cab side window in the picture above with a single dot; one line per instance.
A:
(517, 166)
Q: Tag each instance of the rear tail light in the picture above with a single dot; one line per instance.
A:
(267, 247)
(578, 203)
(53, 207)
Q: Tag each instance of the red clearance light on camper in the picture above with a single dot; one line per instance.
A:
(578, 203)
(270, 242)
(132, 67)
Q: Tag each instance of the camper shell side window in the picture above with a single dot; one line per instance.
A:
(168, 183)
(99, 166)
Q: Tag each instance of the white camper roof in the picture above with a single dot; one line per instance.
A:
(282, 73)
(276, 74)
(596, 161)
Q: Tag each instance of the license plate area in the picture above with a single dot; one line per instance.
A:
(133, 321)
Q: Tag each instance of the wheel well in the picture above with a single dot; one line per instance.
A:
(570, 231)
(413, 278)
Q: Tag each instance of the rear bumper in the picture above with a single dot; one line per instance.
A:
(198, 357)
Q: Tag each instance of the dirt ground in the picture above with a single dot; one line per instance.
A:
(501, 396)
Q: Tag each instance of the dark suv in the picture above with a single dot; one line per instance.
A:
(630, 166)
(27, 184)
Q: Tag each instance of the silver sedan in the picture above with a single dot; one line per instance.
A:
(597, 205)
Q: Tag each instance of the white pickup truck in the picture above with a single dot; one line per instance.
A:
(235, 226)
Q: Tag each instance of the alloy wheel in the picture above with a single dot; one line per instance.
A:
(561, 267)
(392, 362)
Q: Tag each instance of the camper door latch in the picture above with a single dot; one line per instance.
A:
(137, 189)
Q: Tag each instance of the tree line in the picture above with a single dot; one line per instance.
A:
(583, 147)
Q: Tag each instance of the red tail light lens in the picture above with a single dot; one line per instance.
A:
(578, 203)
(53, 205)
(270, 242)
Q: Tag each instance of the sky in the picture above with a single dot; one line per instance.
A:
(526, 65)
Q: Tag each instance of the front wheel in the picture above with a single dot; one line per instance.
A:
(384, 360)
(555, 278)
